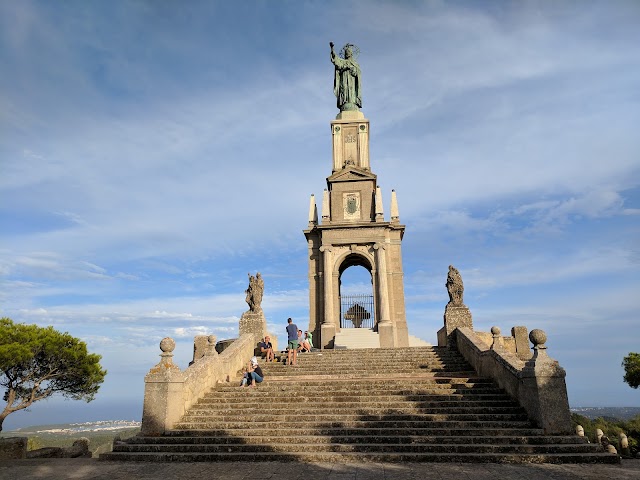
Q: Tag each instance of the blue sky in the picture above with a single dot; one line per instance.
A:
(153, 153)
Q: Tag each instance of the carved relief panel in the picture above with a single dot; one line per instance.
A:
(351, 205)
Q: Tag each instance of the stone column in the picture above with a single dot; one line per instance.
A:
(379, 205)
(336, 130)
(543, 391)
(326, 209)
(385, 327)
(163, 393)
(363, 142)
(395, 213)
(313, 212)
(328, 328)
(454, 317)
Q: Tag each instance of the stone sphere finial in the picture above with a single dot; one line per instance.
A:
(212, 339)
(538, 338)
(167, 345)
(495, 331)
(580, 430)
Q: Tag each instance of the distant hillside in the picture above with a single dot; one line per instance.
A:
(100, 434)
(621, 413)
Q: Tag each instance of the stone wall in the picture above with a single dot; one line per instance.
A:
(169, 391)
(538, 384)
(12, 448)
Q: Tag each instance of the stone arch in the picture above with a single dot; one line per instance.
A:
(356, 257)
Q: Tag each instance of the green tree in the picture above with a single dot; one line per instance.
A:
(631, 364)
(37, 362)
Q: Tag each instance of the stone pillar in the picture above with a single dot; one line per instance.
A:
(379, 206)
(385, 327)
(543, 389)
(624, 445)
(326, 209)
(336, 130)
(521, 335)
(163, 393)
(328, 328)
(313, 212)
(395, 213)
(363, 143)
(498, 341)
(454, 317)
(200, 345)
(253, 323)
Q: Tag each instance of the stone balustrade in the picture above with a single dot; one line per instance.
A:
(538, 383)
(169, 391)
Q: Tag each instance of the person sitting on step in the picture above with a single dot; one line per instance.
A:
(255, 372)
(266, 348)
(303, 343)
(245, 377)
(308, 338)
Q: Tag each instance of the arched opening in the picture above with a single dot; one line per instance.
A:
(357, 305)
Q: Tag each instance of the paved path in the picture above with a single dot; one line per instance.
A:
(59, 469)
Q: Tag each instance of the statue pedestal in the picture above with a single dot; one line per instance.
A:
(385, 332)
(254, 323)
(327, 335)
(454, 317)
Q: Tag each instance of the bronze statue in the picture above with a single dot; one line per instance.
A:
(455, 288)
(346, 81)
(254, 292)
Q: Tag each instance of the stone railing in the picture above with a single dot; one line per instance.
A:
(169, 391)
(537, 383)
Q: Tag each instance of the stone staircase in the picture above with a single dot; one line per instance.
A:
(356, 338)
(373, 405)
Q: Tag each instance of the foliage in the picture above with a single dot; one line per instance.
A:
(34, 443)
(611, 428)
(37, 362)
(631, 364)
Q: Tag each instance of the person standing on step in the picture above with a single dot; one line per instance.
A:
(255, 372)
(292, 342)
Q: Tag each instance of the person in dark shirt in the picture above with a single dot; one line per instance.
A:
(266, 348)
(292, 342)
(255, 372)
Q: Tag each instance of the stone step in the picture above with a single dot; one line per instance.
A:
(345, 417)
(216, 423)
(265, 438)
(366, 358)
(357, 447)
(267, 388)
(337, 431)
(257, 398)
(364, 457)
(340, 409)
(295, 370)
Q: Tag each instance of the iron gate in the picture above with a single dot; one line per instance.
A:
(357, 311)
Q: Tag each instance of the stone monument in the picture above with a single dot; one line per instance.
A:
(253, 321)
(352, 230)
(456, 313)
